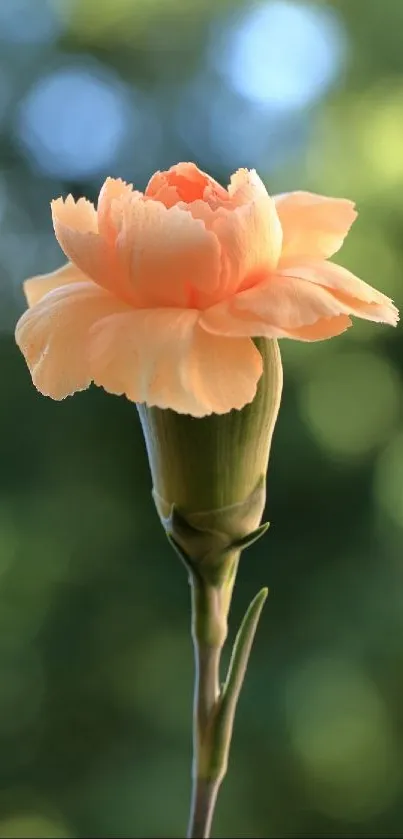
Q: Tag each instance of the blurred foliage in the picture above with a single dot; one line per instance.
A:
(95, 657)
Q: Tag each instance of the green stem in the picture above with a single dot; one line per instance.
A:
(204, 799)
(209, 630)
(214, 707)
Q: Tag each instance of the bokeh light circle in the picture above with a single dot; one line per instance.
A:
(351, 402)
(281, 53)
(340, 732)
(73, 121)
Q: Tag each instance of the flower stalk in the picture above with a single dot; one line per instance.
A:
(215, 703)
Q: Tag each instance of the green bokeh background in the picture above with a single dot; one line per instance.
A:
(95, 656)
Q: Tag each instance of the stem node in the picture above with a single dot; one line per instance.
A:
(214, 707)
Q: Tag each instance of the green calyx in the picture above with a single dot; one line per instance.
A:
(209, 474)
(206, 542)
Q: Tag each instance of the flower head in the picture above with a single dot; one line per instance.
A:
(164, 291)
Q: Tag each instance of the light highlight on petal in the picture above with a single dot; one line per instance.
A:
(276, 308)
(248, 229)
(54, 336)
(313, 226)
(76, 229)
(170, 257)
(163, 357)
(361, 299)
(112, 193)
(36, 287)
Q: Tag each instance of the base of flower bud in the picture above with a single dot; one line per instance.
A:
(207, 542)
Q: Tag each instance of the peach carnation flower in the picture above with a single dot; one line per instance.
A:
(164, 291)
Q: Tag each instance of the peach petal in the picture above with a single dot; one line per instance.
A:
(76, 229)
(155, 184)
(248, 229)
(54, 336)
(361, 299)
(36, 287)
(256, 210)
(313, 225)
(171, 258)
(114, 190)
(163, 357)
(274, 307)
(244, 219)
(250, 238)
(321, 330)
(158, 189)
(185, 182)
(80, 215)
(168, 196)
(89, 251)
(246, 186)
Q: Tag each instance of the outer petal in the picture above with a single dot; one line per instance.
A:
(80, 215)
(163, 357)
(281, 307)
(313, 225)
(54, 336)
(171, 258)
(76, 229)
(321, 330)
(256, 239)
(112, 193)
(37, 287)
(361, 299)
(159, 257)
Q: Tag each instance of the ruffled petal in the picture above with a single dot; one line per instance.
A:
(159, 189)
(361, 299)
(76, 229)
(78, 215)
(315, 298)
(171, 258)
(254, 240)
(321, 330)
(313, 225)
(185, 182)
(36, 287)
(54, 336)
(246, 186)
(112, 193)
(274, 309)
(250, 238)
(163, 357)
(248, 229)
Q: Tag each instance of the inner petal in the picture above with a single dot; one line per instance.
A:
(171, 258)
(113, 191)
(185, 182)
